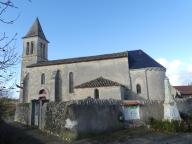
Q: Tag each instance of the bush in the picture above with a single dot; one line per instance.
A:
(168, 126)
(7, 108)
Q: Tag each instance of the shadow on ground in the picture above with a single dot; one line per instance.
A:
(9, 134)
(14, 133)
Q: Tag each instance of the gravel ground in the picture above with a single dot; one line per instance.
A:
(14, 133)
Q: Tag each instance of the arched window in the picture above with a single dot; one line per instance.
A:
(71, 90)
(25, 88)
(58, 87)
(27, 49)
(138, 88)
(42, 48)
(43, 78)
(32, 47)
(96, 94)
(43, 51)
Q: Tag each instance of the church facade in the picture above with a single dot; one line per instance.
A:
(129, 75)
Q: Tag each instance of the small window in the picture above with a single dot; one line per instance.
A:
(32, 47)
(96, 94)
(71, 90)
(27, 49)
(42, 50)
(43, 78)
(41, 45)
(138, 88)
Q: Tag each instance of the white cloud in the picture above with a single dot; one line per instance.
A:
(189, 68)
(179, 73)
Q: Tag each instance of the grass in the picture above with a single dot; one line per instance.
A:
(68, 136)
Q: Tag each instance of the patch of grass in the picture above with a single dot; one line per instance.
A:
(68, 136)
(168, 126)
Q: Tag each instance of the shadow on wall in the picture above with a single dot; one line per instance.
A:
(82, 118)
(184, 105)
(133, 96)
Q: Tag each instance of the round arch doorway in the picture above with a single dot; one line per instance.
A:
(43, 94)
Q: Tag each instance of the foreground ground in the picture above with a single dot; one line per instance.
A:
(14, 133)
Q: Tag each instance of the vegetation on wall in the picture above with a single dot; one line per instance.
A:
(7, 108)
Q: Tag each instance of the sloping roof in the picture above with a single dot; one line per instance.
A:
(131, 103)
(36, 30)
(98, 82)
(184, 90)
(81, 59)
(139, 59)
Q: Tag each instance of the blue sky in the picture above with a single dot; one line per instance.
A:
(161, 28)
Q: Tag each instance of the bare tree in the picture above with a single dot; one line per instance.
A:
(8, 54)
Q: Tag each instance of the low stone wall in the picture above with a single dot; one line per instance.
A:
(151, 109)
(22, 113)
(81, 118)
(184, 105)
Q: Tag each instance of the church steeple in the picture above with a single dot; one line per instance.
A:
(36, 30)
(35, 45)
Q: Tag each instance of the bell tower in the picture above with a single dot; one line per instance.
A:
(35, 50)
(35, 45)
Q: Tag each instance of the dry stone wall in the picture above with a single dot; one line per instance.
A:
(184, 105)
(83, 117)
(151, 109)
(23, 113)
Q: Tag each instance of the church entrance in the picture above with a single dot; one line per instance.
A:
(42, 93)
(38, 111)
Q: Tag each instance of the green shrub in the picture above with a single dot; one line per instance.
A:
(7, 108)
(168, 126)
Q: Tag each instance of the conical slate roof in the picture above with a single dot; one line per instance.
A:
(36, 30)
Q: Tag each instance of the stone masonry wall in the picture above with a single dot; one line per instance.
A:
(113, 69)
(151, 109)
(82, 118)
(184, 105)
(23, 113)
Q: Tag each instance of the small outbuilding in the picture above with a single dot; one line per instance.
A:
(100, 88)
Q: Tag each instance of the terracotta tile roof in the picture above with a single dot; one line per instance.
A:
(184, 90)
(131, 103)
(98, 82)
(36, 30)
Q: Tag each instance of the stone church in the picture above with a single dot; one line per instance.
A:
(129, 75)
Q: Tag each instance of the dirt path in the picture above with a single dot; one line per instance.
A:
(14, 133)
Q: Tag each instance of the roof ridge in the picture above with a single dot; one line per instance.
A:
(82, 59)
(98, 82)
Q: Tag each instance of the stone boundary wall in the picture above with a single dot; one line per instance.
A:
(23, 113)
(82, 118)
(151, 109)
(184, 105)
